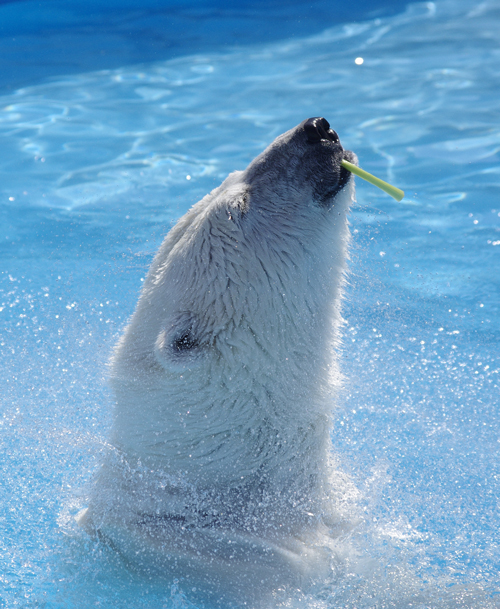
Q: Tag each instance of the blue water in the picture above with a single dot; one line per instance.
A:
(95, 167)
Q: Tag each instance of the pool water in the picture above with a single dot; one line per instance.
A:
(97, 165)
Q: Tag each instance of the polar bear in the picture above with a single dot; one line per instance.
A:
(219, 466)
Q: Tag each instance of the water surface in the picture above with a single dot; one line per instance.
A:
(96, 166)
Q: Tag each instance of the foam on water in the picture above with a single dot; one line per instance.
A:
(95, 168)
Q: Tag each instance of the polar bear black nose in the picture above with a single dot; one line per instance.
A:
(318, 129)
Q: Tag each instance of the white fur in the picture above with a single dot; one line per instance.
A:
(221, 464)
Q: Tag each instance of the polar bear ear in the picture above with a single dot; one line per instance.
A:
(177, 348)
(243, 203)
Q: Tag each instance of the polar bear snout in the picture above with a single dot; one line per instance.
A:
(322, 157)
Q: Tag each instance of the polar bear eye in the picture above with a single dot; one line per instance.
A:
(184, 342)
(178, 347)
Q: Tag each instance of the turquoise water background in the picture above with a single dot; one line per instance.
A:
(102, 151)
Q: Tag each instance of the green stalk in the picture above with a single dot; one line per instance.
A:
(397, 193)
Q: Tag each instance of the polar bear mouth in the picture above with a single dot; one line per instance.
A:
(345, 174)
(318, 130)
